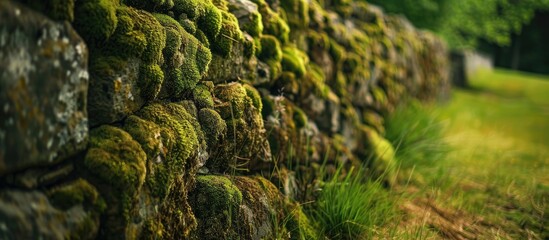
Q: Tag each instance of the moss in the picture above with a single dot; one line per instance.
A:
(299, 225)
(297, 12)
(96, 20)
(176, 122)
(188, 25)
(337, 52)
(216, 201)
(127, 44)
(253, 94)
(192, 8)
(273, 24)
(147, 134)
(270, 48)
(253, 24)
(210, 23)
(203, 59)
(351, 63)
(201, 36)
(287, 83)
(149, 5)
(195, 60)
(153, 31)
(76, 193)
(275, 67)
(229, 35)
(235, 99)
(318, 40)
(202, 97)
(117, 161)
(249, 46)
(293, 60)
(379, 95)
(300, 118)
(213, 125)
(150, 80)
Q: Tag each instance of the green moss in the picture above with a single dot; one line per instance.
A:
(275, 68)
(299, 225)
(117, 161)
(154, 33)
(270, 48)
(379, 95)
(202, 97)
(188, 25)
(249, 45)
(229, 35)
(147, 134)
(150, 80)
(192, 8)
(273, 24)
(96, 20)
(213, 125)
(253, 94)
(235, 99)
(201, 36)
(149, 5)
(337, 52)
(75, 193)
(203, 59)
(293, 60)
(216, 202)
(297, 12)
(351, 63)
(318, 40)
(287, 82)
(300, 118)
(210, 23)
(253, 24)
(195, 60)
(127, 44)
(176, 123)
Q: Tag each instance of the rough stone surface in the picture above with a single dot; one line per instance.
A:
(30, 215)
(43, 89)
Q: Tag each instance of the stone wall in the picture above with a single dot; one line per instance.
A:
(176, 119)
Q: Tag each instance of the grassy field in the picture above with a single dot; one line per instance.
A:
(493, 182)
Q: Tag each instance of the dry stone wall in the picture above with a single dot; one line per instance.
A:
(189, 119)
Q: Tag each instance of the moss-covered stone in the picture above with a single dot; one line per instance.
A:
(76, 193)
(118, 164)
(293, 60)
(228, 35)
(297, 12)
(235, 100)
(216, 203)
(213, 125)
(202, 97)
(300, 118)
(270, 48)
(272, 22)
(187, 60)
(192, 8)
(96, 19)
(210, 23)
(298, 224)
(150, 80)
(253, 94)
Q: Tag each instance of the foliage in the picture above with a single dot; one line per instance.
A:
(464, 22)
(417, 135)
(352, 207)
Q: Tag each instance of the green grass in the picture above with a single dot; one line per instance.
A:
(352, 207)
(497, 169)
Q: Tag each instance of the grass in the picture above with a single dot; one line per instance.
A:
(495, 176)
(352, 207)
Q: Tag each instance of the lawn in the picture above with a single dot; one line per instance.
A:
(493, 182)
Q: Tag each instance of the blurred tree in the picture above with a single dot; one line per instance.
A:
(464, 22)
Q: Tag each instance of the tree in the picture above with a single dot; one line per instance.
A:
(464, 22)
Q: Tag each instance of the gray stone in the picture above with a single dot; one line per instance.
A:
(30, 215)
(113, 92)
(43, 89)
